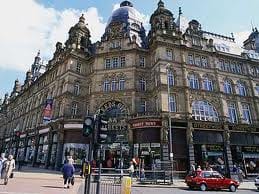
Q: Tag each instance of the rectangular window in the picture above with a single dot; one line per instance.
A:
(227, 66)
(169, 54)
(142, 62)
(170, 78)
(107, 63)
(142, 107)
(122, 61)
(190, 59)
(78, 67)
(172, 103)
(198, 60)
(232, 113)
(76, 89)
(122, 84)
(106, 86)
(233, 67)
(74, 108)
(246, 113)
(115, 62)
(114, 85)
(142, 84)
(204, 61)
(239, 68)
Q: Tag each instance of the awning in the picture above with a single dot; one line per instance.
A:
(246, 155)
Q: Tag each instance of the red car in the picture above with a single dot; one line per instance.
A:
(210, 180)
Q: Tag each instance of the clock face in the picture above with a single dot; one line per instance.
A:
(88, 121)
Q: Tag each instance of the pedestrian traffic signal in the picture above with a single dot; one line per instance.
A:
(88, 126)
(102, 129)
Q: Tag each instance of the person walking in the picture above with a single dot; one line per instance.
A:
(131, 169)
(2, 160)
(9, 166)
(68, 171)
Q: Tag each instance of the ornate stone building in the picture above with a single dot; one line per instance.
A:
(203, 82)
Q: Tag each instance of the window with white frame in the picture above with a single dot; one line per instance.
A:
(204, 61)
(169, 54)
(228, 87)
(114, 85)
(172, 103)
(122, 84)
(142, 107)
(122, 61)
(232, 113)
(78, 67)
(190, 59)
(106, 86)
(142, 84)
(76, 89)
(170, 78)
(107, 63)
(207, 84)
(198, 60)
(74, 108)
(246, 113)
(241, 89)
(115, 62)
(204, 111)
(221, 65)
(142, 61)
(193, 81)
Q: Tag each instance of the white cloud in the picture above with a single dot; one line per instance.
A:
(240, 37)
(115, 6)
(27, 26)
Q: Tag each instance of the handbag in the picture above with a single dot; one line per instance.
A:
(11, 175)
(72, 180)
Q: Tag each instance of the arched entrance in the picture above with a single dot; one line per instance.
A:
(117, 146)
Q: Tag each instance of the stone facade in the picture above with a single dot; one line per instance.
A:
(206, 84)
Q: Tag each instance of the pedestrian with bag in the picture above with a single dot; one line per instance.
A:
(9, 166)
(68, 171)
(2, 160)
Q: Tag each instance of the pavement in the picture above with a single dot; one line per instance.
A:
(42, 181)
(39, 181)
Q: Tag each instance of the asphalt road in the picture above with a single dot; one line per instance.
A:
(144, 190)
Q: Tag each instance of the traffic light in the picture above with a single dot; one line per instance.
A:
(102, 129)
(88, 126)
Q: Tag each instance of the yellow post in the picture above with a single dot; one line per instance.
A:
(126, 185)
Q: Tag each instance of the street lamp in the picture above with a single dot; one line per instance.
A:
(170, 123)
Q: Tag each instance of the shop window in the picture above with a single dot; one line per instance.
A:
(77, 151)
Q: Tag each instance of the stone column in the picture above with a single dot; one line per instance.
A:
(227, 150)
(164, 139)
(189, 136)
(47, 162)
(60, 145)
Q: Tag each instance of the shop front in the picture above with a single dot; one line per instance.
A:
(30, 149)
(53, 151)
(209, 150)
(146, 141)
(75, 145)
(245, 152)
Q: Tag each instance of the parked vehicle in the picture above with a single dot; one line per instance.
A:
(210, 180)
(257, 182)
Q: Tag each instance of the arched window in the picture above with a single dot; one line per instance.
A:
(228, 87)
(241, 89)
(204, 111)
(170, 78)
(193, 81)
(207, 84)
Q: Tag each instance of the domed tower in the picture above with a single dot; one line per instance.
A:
(125, 22)
(79, 36)
(162, 18)
(252, 43)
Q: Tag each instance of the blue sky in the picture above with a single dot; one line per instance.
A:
(30, 25)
